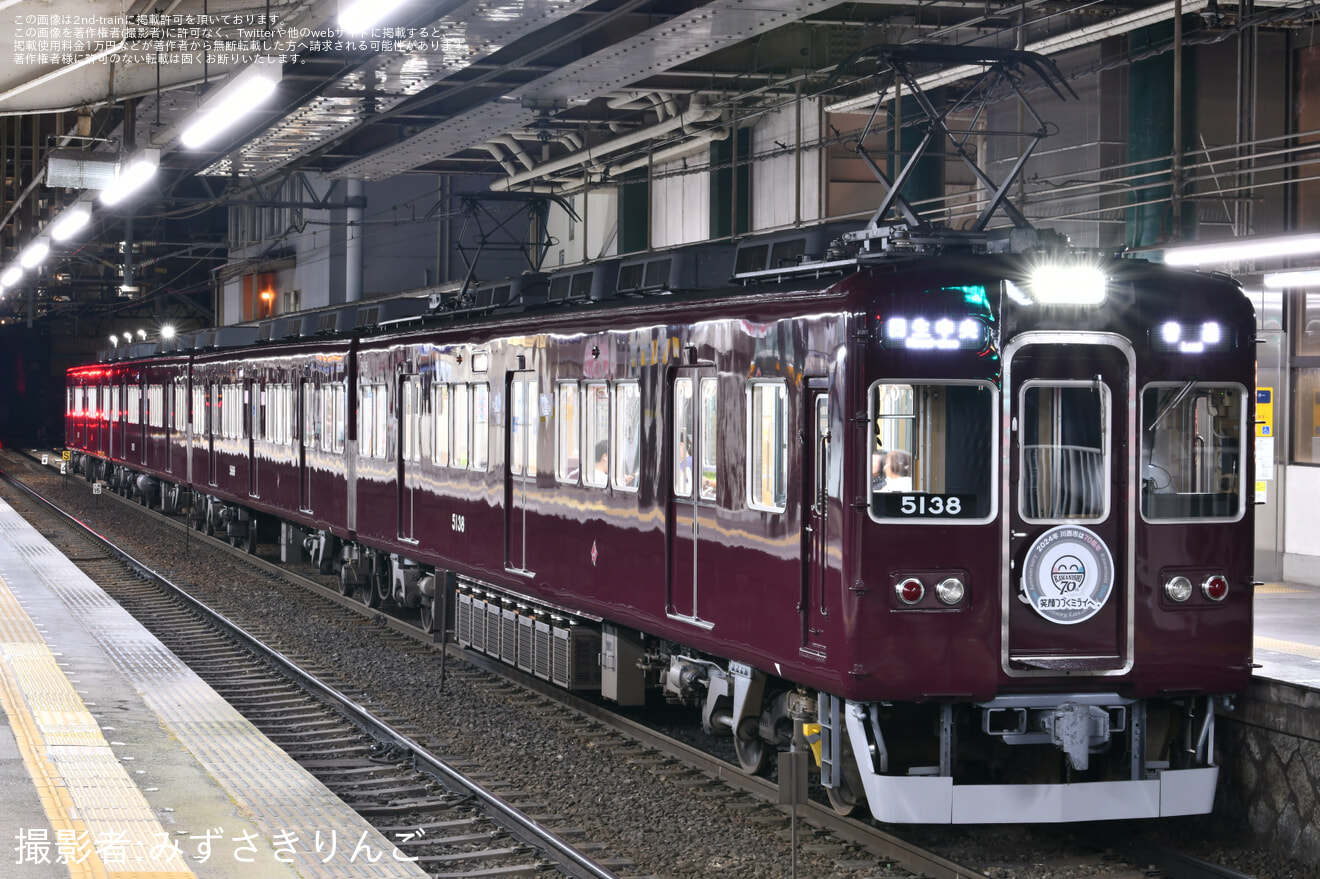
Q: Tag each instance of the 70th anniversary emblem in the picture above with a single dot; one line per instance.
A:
(1068, 574)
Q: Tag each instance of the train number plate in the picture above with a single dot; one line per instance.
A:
(900, 505)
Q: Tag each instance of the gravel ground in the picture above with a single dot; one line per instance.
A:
(665, 823)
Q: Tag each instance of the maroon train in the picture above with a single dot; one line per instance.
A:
(978, 530)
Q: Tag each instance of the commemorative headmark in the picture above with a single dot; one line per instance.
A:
(1068, 574)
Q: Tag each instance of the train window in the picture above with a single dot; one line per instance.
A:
(156, 405)
(684, 434)
(709, 421)
(366, 413)
(440, 424)
(1064, 454)
(932, 451)
(568, 450)
(1192, 451)
(767, 447)
(523, 421)
(411, 420)
(231, 412)
(462, 413)
(626, 450)
(373, 421)
(133, 403)
(380, 421)
(180, 406)
(72, 402)
(596, 432)
(311, 416)
(481, 429)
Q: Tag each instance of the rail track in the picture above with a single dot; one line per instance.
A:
(452, 823)
(349, 756)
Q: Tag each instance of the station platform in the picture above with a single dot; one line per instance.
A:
(1287, 634)
(117, 761)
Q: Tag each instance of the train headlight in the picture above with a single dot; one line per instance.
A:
(950, 590)
(1215, 587)
(1190, 338)
(1178, 589)
(909, 591)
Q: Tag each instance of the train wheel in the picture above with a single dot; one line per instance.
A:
(346, 582)
(250, 542)
(846, 799)
(753, 756)
(428, 617)
(371, 591)
(849, 797)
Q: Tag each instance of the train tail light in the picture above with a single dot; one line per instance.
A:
(1215, 587)
(1178, 589)
(909, 591)
(950, 590)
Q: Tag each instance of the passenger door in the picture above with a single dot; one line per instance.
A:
(1068, 505)
(410, 454)
(253, 404)
(816, 519)
(694, 486)
(521, 467)
(308, 434)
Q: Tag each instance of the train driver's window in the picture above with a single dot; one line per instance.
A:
(1064, 451)
(596, 433)
(932, 451)
(1192, 451)
(440, 424)
(767, 446)
(568, 452)
(626, 450)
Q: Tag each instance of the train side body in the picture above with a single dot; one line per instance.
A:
(922, 497)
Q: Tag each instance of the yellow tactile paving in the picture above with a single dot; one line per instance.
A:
(1277, 589)
(1308, 650)
(86, 794)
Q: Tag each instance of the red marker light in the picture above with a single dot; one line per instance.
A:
(1215, 587)
(909, 591)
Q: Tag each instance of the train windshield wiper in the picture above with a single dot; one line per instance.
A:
(1172, 404)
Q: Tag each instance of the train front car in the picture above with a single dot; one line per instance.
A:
(1053, 583)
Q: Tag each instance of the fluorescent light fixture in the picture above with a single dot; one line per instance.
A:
(132, 175)
(34, 253)
(1305, 278)
(356, 16)
(1068, 285)
(11, 275)
(71, 222)
(224, 106)
(1238, 251)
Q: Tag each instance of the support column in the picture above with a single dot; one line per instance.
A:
(353, 242)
